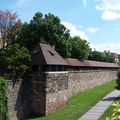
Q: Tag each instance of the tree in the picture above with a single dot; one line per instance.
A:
(79, 48)
(46, 29)
(15, 59)
(96, 55)
(9, 26)
(102, 56)
(109, 57)
(118, 80)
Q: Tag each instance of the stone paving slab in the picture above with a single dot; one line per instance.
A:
(96, 111)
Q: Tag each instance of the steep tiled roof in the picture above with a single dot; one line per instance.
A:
(44, 54)
(119, 57)
(88, 63)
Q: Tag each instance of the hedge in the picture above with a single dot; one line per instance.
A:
(3, 100)
(118, 80)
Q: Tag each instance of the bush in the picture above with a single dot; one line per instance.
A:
(118, 80)
(116, 112)
(15, 59)
(3, 100)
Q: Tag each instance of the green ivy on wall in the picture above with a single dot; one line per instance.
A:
(3, 100)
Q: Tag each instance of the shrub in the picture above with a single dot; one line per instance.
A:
(14, 59)
(118, 80)
(116, 112)
(3, 100)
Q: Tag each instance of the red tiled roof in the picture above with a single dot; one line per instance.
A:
(88, 63)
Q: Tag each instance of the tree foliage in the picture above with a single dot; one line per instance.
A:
(116, 112)
(118, 80)
(79, 48)
(14, 58)
(9, 26)
(101, 56)
(46, 29)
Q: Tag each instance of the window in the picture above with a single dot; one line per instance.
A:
(35, 68)
(51, 53)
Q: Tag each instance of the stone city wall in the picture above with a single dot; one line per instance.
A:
(18, 99)
(62, 85)
(86, 79)
(44, 93)
(56, 90)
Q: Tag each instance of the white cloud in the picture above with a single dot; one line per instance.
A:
(85, 3)
(92, 29)
(110, 9)
(110, 15)
(22, 2)
(74, 30)
(113, 47)
(19, 3)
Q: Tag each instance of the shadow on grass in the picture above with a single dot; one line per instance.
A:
(32, 117)
(111, 98)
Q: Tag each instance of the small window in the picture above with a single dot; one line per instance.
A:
(35, 68)
(45, 68)
(51, 53)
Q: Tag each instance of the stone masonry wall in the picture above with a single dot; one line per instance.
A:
(38, 93)
(86, 79)
(56, 90)
(48, 92)
(44, 93)
(61, 86)
(13, 91)
(18, 99)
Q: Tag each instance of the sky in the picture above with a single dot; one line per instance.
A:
(97, 21)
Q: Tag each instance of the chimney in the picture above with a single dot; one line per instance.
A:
(53, 46)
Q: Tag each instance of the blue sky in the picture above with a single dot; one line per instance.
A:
(98, 21)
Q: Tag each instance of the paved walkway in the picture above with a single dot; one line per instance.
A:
(95, 112)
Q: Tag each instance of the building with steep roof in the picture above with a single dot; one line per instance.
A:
(47, 59)
(44, 54)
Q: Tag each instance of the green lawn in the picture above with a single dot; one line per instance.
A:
(80, 103)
